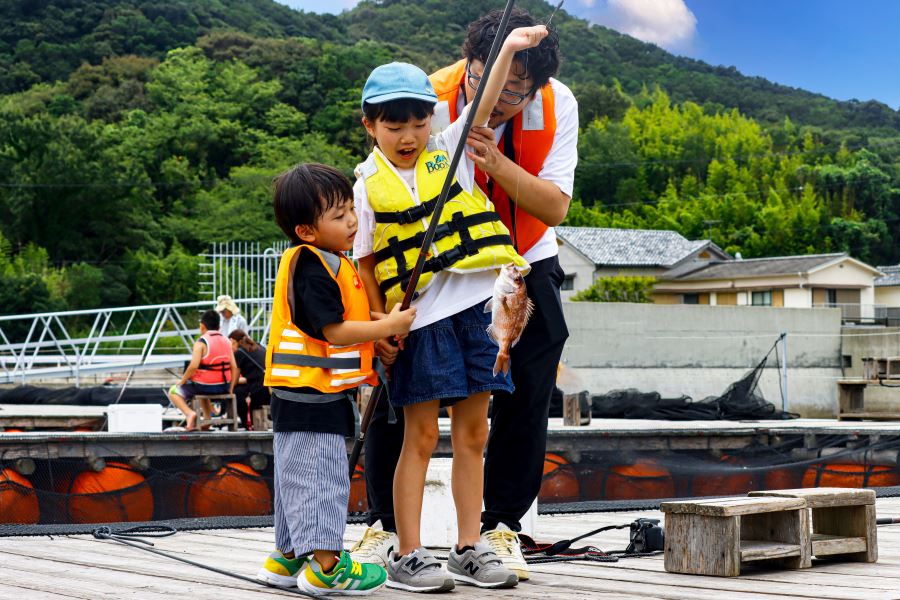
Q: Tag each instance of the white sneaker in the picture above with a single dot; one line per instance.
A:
(376, 546)
(505, 543)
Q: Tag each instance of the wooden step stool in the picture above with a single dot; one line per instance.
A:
(843, 521)
(716, 536)
(229, 403)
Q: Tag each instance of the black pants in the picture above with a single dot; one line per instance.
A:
(518, 438)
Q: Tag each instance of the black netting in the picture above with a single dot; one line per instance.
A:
(88, 396)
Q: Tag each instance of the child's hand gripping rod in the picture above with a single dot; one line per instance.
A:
(435, 221)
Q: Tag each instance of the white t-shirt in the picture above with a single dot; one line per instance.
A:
(559, 166)
(448, 293)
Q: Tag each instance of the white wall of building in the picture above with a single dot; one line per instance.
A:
(798, 298)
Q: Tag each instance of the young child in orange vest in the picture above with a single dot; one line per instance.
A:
(448, 358)
(320, 350)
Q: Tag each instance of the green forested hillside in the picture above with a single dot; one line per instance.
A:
(133, 133)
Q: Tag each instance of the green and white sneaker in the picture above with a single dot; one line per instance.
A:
(280, 571)
(347, 577)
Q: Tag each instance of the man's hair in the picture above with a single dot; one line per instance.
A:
(305, 192)
(210, 320)
(398, 111)
(541, 63)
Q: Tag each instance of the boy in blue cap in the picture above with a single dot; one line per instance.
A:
(448, 357)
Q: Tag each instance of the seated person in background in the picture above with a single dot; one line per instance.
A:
(231, 315)
(212, 369)
(251, 360)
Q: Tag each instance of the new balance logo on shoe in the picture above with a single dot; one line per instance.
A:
(471, 567)
(413, 564)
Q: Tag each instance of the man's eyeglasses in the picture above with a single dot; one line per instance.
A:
(506, 96)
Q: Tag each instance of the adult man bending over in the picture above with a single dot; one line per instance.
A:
(526, 164)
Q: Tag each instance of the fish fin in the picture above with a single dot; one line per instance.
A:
(502, 363)
(489, 305)
(492, 332)
(529, 309)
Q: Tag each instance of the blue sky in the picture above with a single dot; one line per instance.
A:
(838, 48)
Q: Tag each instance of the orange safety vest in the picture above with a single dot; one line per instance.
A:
(532, 134)
(215, 366)
(295, 359)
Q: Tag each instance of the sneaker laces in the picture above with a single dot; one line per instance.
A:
(505, 543)
(371, 539)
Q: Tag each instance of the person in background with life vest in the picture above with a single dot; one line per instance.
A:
(448, 358)
(321, 349)
(526, 164)
(212, 369)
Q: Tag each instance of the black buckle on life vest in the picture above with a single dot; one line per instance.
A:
(413, 214)
(444, 260)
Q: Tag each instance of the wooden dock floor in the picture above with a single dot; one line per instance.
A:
(34, 568)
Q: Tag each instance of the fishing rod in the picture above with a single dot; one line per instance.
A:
(369, 413)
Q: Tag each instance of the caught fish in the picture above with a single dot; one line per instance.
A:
(510, 309)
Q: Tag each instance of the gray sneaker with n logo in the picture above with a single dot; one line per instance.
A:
(482, 567)
(418, 571)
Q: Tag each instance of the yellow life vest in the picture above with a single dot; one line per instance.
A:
(295, 359)
(469, 237)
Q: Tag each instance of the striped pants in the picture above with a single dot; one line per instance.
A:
(312, 489)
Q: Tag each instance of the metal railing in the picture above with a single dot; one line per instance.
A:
(70, 344)
(241, 269)
(863, 314)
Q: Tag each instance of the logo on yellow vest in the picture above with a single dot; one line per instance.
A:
(438, 164)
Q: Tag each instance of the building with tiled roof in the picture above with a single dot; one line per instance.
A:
(699, 272)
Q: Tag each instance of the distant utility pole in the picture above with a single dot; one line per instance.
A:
(709, 225)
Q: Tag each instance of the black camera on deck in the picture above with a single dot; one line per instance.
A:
(646, 536)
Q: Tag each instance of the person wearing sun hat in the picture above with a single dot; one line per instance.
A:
(230, 315)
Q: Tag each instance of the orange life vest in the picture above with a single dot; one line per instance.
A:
(215, 366)
(295, 359)
(532, 135)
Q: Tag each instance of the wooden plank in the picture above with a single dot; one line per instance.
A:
(702, 545)
(824, 545)
(824, 496)
(731, 507)
(761, 550)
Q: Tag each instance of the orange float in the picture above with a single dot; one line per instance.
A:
(234, 490)
(559, 483)
(359, 500)
(728, 480)
(115, 493)
(851, 475)
(784, 478)
(18, 500)
(641, 480)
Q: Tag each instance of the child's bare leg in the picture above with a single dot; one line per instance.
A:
(181, 405)
(326, 559)
(469, 431)
(420, 436)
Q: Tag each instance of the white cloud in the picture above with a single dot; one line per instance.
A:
(666, 23)
(320, 6)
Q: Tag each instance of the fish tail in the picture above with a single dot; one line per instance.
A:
(502, 362)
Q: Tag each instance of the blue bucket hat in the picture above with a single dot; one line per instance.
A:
(398, 80)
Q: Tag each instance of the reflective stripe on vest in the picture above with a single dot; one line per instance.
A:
(470, 236)
(295, 359)
(533, 132)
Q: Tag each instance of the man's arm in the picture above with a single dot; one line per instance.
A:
(540, 198)
(520, 38)
(235, 374)
(196, 357)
